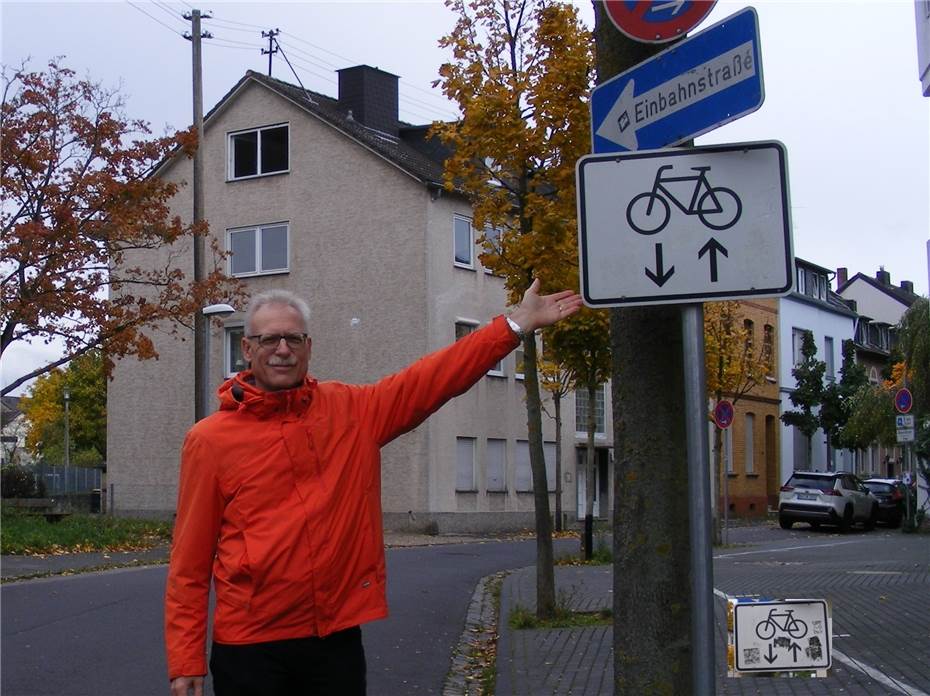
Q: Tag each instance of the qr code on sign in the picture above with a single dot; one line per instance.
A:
(751, 656)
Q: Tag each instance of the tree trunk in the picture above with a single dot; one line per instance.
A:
(545, 573)
(651, 533)
(652, 605)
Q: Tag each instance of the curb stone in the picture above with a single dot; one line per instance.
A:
(480, 627)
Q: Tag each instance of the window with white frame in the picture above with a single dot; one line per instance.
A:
(581, 412)
(258, 250)
(518, 357)
(259, 151)
(463, 327)
(797, 343)
(234, 360)
(463, 242)
(523, 473)
(830, 372)
(749, 443)
(549, 455)
(465, 464)
(496, 465)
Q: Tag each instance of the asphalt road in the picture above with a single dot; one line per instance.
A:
(100, 634)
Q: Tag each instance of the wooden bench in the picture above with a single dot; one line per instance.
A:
(49, 508)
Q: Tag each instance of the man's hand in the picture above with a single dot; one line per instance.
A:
(187, 686)
(537, 311)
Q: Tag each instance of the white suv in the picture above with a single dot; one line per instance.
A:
(834, 497)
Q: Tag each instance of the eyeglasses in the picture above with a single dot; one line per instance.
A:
(293, 340)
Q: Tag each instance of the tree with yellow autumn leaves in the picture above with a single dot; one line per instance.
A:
(734, 366)
(520, 74)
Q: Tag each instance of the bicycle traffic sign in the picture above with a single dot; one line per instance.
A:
(777, 636)
(703, 82)
(657, 21)
(666, 226)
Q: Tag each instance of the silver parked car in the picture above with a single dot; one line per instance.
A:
(830, 497)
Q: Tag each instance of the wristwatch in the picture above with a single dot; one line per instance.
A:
(516, 328)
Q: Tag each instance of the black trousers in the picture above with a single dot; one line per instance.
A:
(330, 666)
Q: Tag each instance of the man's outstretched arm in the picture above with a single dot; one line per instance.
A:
(403, 400)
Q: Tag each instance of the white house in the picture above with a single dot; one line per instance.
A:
(813, 307)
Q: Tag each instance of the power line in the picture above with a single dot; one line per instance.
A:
(167, 10)
(154, 18)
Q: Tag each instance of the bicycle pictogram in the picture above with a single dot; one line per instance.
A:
(785, 621)
(718, 207)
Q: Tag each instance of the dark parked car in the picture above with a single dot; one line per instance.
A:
(890, 494)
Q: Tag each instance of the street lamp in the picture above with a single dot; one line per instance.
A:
(215, 310)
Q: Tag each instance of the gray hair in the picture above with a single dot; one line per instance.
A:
(278, 297)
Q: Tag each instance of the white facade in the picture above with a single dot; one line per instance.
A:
(830, 328)
(872, 302)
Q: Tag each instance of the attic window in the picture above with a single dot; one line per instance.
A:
(258, 152)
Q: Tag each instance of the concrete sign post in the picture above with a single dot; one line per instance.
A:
(671, 226)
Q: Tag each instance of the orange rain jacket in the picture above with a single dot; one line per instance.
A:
(280, 501)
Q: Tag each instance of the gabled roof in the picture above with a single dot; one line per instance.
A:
(899, 294)
(410, 150)
(9, 409)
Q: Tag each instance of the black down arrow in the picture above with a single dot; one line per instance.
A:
(660, 277)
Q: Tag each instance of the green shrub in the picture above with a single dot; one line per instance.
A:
(19, 482)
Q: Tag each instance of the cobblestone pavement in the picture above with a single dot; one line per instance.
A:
(877, 584)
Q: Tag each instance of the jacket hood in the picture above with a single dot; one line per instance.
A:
(240, 393)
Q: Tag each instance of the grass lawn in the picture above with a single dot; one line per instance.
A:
(32, 534)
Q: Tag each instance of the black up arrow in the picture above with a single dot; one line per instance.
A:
(771, 657)
(660, 278)
(713, 246)
(794, 648)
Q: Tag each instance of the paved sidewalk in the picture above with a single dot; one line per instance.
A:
(579, 661)
(14, 567)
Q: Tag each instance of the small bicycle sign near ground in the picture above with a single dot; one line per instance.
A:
(789, 635)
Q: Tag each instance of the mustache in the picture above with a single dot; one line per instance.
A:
(281, 362)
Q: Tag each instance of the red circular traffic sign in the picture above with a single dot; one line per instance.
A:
(657, 21)
(903, 401)
(723, 414)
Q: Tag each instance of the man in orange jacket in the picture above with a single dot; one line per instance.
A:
(279, 503)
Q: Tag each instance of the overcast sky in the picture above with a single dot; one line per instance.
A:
(840, 78)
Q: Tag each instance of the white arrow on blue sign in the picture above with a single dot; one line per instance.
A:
(708, 79)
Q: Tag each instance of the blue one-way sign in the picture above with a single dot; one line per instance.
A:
(703, 82)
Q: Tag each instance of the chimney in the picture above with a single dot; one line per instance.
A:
(883, 276)
(842, 275)
(907, 286)
(371, 95)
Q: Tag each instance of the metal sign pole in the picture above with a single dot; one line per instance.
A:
(702, 570)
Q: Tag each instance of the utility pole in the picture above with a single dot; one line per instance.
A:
(651, 534)
(272, 48)
(200, 322)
